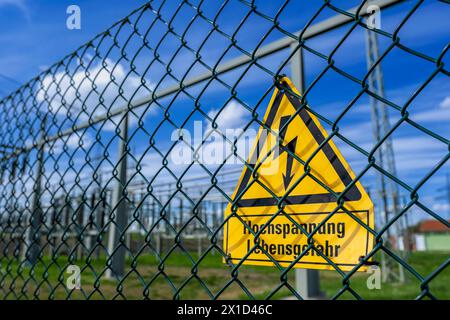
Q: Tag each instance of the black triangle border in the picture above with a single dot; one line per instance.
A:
(353, 194)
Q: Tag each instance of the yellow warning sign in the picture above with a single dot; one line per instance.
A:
(292, 164)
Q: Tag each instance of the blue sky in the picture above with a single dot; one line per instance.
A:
(37, 37)
(35, 34)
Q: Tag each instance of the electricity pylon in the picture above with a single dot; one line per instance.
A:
(388, 191)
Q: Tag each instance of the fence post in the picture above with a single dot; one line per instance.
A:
(116, 249)
(180, 221)
(307, 282)
(80, 238)
(33, 237)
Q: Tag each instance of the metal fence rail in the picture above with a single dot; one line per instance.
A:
(86, 175)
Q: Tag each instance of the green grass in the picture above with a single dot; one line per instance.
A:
(177, 278)
(423, 263)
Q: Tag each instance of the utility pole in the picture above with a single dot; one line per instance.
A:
(307, 281)
(388, 202)
(32, 246)
(446, 196)
(116, 250)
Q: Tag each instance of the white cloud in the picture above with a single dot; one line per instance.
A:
(433, 114)
(414, 143)
(411, 153)
(233, 116)
(437, 115)
(215, 150)
(97, 90)
(72, 142)
(230, 122)
(19, 4)
(440, 207)
(360, 132)
(445, 103)
(15, 3)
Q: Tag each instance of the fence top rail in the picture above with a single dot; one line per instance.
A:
(271, 48)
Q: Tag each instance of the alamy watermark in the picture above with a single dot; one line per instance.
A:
(73, 281)
(374, 280)
(232, 146)
(374, 18)
(73, 21)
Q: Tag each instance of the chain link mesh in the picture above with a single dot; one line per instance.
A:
(86, 175)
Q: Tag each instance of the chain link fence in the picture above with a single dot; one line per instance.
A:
(88, 182)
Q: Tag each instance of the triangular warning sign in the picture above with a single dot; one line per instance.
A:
(294, 163)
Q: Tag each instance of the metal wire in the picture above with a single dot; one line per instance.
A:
(74, 192)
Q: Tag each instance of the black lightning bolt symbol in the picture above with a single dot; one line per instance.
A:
(287, 177)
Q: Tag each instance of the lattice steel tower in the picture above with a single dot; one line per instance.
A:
(387, 189)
